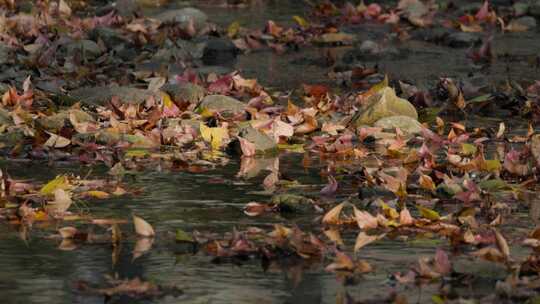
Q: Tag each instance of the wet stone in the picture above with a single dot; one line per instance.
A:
(101, 95)
(219, 51)
(222, 103)
(183, 16)
(87, 48)
(189, 92)
(462, 39)
(263, 143)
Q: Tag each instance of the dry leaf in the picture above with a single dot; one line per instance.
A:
(142, 227)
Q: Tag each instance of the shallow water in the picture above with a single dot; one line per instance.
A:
(37, 271)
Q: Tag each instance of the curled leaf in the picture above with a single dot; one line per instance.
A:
(142, 227)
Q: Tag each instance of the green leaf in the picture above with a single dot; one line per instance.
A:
(468, 149)
(182, 236)
(429, 214)
(60, 182)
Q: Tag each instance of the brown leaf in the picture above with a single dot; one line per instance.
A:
(142, 227)
(67, 232)
(332, 216)
(501, 243)
(363, 239)
(365, 220)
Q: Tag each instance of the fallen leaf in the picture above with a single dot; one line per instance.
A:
(142, 227)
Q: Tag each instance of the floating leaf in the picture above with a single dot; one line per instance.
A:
(67, 232)
(214, 136)
(301, 21)
(182, 236)
(60, 182)
(332, 216)
(365, 220)
(363, 239)
(62, 202)
(142, 227)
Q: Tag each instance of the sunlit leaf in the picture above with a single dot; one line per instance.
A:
(429, 214)
(332, 216)
(60, 182)
(142, 227)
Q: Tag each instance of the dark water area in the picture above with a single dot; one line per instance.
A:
(39, 271)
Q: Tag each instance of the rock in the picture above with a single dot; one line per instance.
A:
(523, 23)
(405, 123)
(111, 38)
(462, 39)
(183, 16)
(534, 8)
(87, 48)
(371, 193)
(222, 103)
(370, 50)
(292, 203)
(53, 122)
(385, 103)
(189, 92)
(219, 51)
(94, 96)
(263, 143)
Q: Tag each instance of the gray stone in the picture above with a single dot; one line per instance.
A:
(101, 95)
(88, 48)
(525, 22)
(189, 92)
(222, 103)
(462, 39)
(404, 123)
(263, 143)
(219, 51)
(109, 36)
(183, 16)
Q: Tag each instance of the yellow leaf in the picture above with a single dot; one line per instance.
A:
(389, 211)
(429, 214)
(97, 194)
(214, 136)
(167, 101)
(426, 182)
(206, 113)
(232, 29)
(301, 21)
(60, 182)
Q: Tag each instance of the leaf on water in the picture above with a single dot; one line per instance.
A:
(334, 236)
(142, 227)
(142, 246)
(214, 136)
(365, 220)
(442, 263)
(67, 232)
(389, 211)
(60, 182)
(429, 214)
(182, 236)
(332, 216)
(96, 194)
(62, 202)
(363, 239)
(301, 21)
(248, 148)
(232, 29)
(501, 243)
